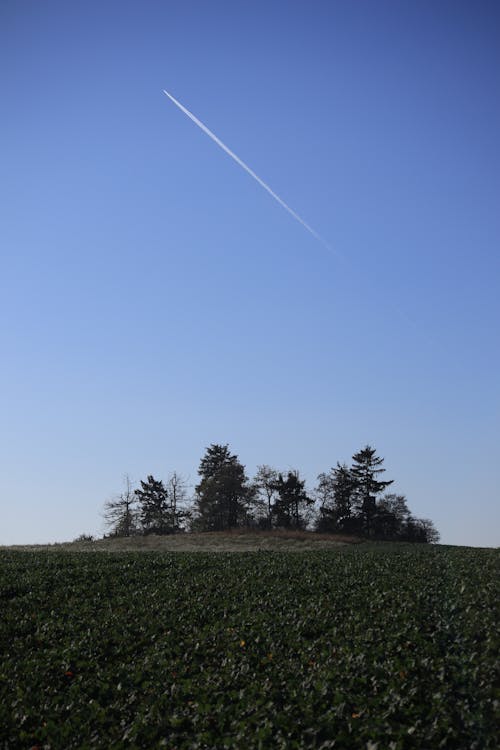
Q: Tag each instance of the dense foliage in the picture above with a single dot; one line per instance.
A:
(374, 646)
(223, 493)
(348, 500)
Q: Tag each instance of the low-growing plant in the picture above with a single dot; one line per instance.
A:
(368, 646)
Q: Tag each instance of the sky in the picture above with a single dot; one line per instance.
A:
(154, 299)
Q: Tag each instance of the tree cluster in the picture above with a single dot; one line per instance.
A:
(156, 507)
(351, 501)
(347, 499)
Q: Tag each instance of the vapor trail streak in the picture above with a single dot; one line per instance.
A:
(247, 169)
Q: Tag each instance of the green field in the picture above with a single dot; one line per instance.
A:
(366, 646)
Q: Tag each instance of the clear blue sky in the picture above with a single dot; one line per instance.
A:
(154, 299)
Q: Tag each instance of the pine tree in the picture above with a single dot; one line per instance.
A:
(291, 501)
(154, 510)
(365, 469)
(336, 493)
(223, 493)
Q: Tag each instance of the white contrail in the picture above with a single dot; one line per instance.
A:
(247, 169)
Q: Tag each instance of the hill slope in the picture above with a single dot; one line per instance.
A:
(217, 541)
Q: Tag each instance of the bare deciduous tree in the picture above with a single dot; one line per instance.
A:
(120, 512)
(178, 499)
(265, 483)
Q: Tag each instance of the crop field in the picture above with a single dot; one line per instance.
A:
(382, 647)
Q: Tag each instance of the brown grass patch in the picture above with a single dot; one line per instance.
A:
(237, 540)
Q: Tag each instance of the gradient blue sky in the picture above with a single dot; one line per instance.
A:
(154, 299)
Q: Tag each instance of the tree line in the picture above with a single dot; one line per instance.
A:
(346, 499)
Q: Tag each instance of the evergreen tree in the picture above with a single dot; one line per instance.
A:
(365, 470)
(291, 501)
(223, 493)
(154, 509)
(336, 493)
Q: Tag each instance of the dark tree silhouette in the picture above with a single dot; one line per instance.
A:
(154, 509)
(392, 514)
(266, 493)
(120, 513)
(291, 502)
(350, 501)
(335, 491)
(177, 495)
(429, 531)
(365, 469)
(223, 493)
(419, 530)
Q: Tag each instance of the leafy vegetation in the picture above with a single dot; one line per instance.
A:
(348, 501)
(371, 646)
